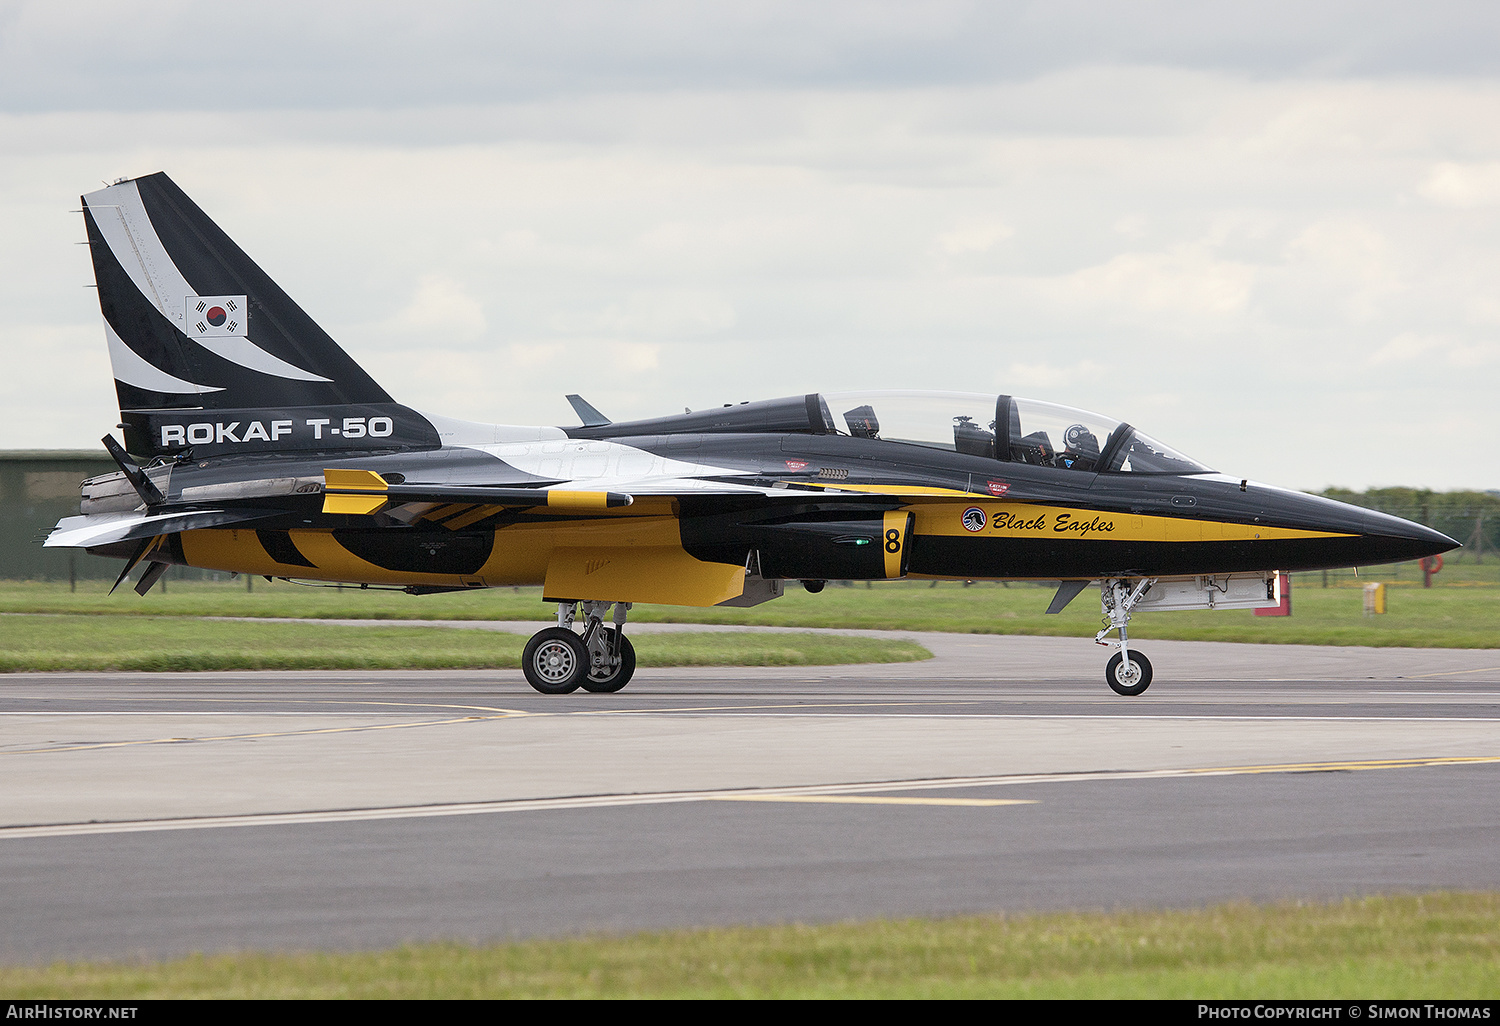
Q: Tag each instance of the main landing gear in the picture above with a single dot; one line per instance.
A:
(1127, 673)
(558, 661)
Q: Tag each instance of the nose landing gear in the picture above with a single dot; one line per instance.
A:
(558, 661)
(1127, 673)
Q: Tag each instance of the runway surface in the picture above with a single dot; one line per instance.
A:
(157, 814)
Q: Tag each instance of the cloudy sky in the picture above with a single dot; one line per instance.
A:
(1266, 233)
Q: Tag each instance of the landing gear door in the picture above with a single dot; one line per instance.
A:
(896, 536)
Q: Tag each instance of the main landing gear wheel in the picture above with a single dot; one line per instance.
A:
(612, 679)
(1129, 679)
(555, 661)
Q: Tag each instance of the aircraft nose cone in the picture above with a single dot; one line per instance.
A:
(1399, 540)
(1439, 541)
(1431, 542)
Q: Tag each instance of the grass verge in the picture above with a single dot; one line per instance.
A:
(1430, 946)
(1452, 617)
(154, 643)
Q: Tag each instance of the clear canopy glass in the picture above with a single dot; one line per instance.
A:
(1005, 428)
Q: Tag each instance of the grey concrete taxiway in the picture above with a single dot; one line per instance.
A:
(155, 814)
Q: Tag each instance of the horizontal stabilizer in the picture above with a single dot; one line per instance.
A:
(95, 529)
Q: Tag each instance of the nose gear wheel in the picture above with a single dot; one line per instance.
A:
(1128, 678)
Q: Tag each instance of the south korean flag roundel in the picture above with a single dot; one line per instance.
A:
(217, 316)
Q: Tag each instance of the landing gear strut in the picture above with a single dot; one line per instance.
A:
(1128, 673)
(558, 661)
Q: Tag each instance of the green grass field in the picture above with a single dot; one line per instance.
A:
(147, 643)
(1432, 946)
(1463, 614)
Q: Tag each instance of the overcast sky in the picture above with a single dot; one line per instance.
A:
(1265, 233)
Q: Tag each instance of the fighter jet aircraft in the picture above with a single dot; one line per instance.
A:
(254, 444)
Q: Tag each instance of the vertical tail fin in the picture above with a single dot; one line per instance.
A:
(209, 354)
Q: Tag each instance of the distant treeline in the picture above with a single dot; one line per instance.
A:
(1472, 518)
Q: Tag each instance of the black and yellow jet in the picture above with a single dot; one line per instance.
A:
(254, 444)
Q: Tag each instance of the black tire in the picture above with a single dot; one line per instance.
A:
(555, 661)
(613, 680)
(1131, 682)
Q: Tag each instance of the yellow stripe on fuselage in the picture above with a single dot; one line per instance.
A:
(1015, 520)
(632, 557)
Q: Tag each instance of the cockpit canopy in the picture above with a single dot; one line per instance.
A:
(999, 427)
(1002, 427)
